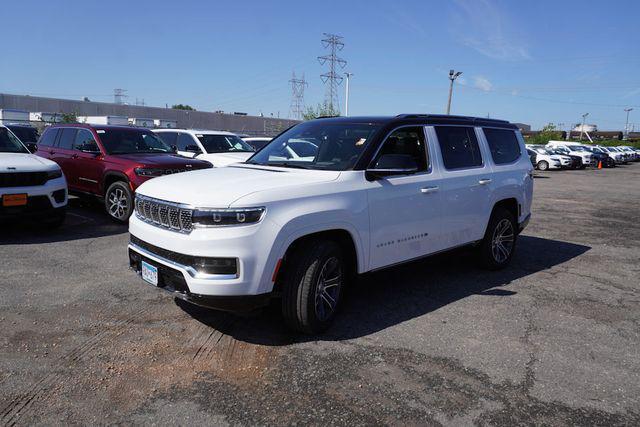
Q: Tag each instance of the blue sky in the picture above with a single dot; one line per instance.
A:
(534, 62)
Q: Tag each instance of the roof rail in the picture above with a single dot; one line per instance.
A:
(326, 117)
(446, 116)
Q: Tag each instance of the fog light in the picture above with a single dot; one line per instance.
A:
(216, 265)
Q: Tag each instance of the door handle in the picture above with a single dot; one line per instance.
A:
(427, 190)
(52, 152)
(74, 156)
(484, 181)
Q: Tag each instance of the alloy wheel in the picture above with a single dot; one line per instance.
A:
(502, 241)
(328, 288)
(118, 204)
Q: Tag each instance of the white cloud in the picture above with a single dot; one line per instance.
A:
(482, 83)
(484, 27)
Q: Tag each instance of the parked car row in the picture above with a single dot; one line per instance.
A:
(573, 155)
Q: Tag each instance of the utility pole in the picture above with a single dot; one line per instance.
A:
(584, 117)
(346, 95)
(626, 126)
(560, 126)
(118, 95)
(296, 109)
(331, 78)
(452, 76)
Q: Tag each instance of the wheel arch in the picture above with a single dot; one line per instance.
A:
(112, 176)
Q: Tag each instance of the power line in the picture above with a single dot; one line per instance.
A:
(331, 78)
(296, 109)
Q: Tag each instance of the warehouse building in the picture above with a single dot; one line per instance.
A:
(237, 123)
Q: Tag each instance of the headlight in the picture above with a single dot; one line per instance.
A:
(54, 174)
(222, 217)
(149, 172)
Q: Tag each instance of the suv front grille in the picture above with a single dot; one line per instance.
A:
(164, 214)
(22, 179)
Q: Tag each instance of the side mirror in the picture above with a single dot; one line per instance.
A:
(174, 148)
(392, 164)
(32, 147)
(90, 147)
(192, 148)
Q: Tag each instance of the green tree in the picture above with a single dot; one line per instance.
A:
(321, 110)
(183, 107)
(548, 133)
(69, 117)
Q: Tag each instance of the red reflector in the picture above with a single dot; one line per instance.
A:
(275, 272)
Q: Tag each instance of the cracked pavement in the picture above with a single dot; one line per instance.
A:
(553, 339)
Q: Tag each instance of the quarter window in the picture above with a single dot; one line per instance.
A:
(459, 147)
(407, 141)
(48, 139)
(67, 138)
(503, 145)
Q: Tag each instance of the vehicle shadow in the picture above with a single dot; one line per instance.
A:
(86, 219)
(392, 296)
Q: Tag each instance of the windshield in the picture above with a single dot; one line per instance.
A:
(223, 144)
(25, 133)
(318, 145)
(9, 143)
(541, 150)
(131, 141)
(579, 148)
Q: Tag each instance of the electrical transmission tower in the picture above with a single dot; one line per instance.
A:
(332, 79)
(297, 97)
(118, 95)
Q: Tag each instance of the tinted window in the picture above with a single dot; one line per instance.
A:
(459, 147)
(185, 139)
(67, 138)
(503, 144)
(408, 141)
(169, 138)
(83, 136)
(49, 137)
(127, 141)
(25, 133)
(9, 143)
(223, 143)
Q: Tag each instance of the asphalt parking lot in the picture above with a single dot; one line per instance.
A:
(553, 339)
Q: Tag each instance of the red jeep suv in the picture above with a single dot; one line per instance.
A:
(111, 161)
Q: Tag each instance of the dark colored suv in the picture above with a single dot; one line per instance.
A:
(111, 161)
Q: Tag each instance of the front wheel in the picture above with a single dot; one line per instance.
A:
(543, 165)
(499, 242)
(313, 281)
(118, 201)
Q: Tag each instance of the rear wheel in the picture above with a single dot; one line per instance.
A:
(499, 242)
(313, 282)
(118, 201)
(543, 165)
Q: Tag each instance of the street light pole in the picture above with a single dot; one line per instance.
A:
(584, 117)
(626, 126)
(452, 76)
(346, 97)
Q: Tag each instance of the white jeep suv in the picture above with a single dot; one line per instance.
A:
(547, 159)
(217, 147)
(30, 187)
(377, 192)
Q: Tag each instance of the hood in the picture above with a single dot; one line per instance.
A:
(159, 160)
(225, 159)
(556, 157)
(23, 162)
(220, 187)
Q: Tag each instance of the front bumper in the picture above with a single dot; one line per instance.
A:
(42, 200)
(172, 279)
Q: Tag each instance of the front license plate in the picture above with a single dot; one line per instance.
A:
(14, 200)
(150, 273)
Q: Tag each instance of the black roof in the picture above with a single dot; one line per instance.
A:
(430, 119)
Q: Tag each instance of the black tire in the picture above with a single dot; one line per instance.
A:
(56, 220)
(543, 165)
(118, 201)
(583, 167)
(305, 307)
(496, 254)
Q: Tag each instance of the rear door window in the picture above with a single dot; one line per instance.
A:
(459, 147)
(503, 145)
(66, 138)
(48, 139)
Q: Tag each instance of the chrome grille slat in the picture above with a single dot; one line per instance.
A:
(164, 214)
